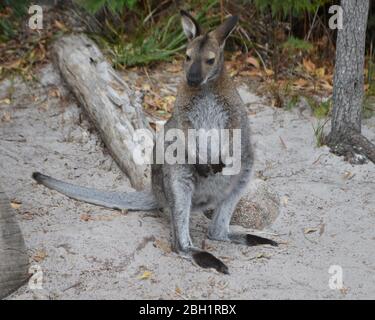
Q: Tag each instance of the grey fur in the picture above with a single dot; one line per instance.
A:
(181, 188)
(143, 200)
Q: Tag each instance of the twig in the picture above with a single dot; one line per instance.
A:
(179, 294)
(312, 25)
(312, 241)
(316, 161)
(149, 79)
(72, 286)
(283, 143)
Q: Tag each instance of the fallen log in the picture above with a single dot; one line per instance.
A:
(112, 107)
(14, 261)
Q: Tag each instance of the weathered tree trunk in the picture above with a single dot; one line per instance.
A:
(13, 256)
(107, 99)
(345, 137)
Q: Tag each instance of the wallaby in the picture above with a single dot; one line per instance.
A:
(207, 98)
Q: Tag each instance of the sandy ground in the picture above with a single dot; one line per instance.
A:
(86, 252)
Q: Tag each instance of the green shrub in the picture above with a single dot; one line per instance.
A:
(94, 6)
(293, 44)
(321, 109)
(9, 24)
(152, 40)
(287, 7)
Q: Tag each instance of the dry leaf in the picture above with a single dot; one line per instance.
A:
(168, 103)
(232, 73)
(60, 25)
(6, 117)
(178, 290)
(309, 65)
(254, 62)
(300, 83)
(13, 65)
(348, 175)
(262, 256)
(85, 217)
(344, 290)
(269, 72)
(15, 204)
(251, 73)
(146, 87)
(325, 85)
(44, 106)
(145, 275)
(39, 255)
(309, 230)
(27, 216)
(54, 93)
(163, 245)
(174, 68)
(320, 72)
(5, 101)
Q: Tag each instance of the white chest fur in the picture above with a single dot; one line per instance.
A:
(208, 112)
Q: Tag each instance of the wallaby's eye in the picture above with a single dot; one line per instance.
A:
(210, 61)
(188, 58)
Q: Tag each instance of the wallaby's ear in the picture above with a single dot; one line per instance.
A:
(190, 25)
(222, 32)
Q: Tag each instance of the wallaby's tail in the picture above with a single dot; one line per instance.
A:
(142, 200)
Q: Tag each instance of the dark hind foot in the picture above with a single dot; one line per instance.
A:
(250, 239)
(204, 259)
(207, 260)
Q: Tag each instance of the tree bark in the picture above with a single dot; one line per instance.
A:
(345, 137)
(106, 98)
(13, 256)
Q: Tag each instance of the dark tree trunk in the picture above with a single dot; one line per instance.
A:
(14, 261)
(345, 137)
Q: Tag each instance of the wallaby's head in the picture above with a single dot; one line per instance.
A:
(205, 51)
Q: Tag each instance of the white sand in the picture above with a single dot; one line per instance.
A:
(105, 257)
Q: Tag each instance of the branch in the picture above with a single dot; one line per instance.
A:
(106, 98)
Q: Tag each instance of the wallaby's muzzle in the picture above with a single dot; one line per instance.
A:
(194, 83)
(194, 75)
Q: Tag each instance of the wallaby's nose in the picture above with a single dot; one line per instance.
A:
(194, 76)
(194, 83)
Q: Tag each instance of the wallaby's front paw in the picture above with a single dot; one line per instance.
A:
(218, 167)
(205, 259)
(203, 169)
